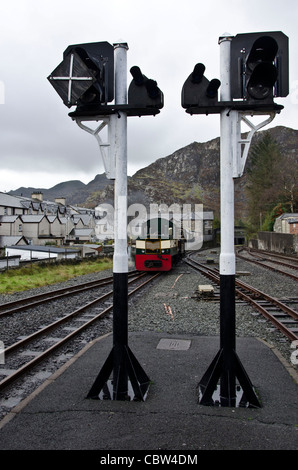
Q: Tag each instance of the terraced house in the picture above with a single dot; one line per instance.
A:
(34, 221)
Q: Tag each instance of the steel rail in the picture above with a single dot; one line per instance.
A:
(29, 365)
(286, 331)
(19, 305)
(60, 321)
(260, 263)
(273, 255)
(269, 298)
(266, 259)
(212, 274)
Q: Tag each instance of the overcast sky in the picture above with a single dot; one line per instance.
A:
(41, 146)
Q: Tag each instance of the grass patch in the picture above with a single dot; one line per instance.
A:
(37, 275)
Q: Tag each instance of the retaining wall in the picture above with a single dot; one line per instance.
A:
(274, 241)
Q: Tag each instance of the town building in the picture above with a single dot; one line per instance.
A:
(38, 222)
(286, 223)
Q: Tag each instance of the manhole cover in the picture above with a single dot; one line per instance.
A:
(174, 344)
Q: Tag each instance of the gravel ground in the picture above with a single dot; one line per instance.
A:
(22, 324)
(169, 305)
(173, 306)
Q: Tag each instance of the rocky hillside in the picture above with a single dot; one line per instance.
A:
(189, 175)
(75, 192)
(192, 175)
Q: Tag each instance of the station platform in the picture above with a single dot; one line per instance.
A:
(58, 416)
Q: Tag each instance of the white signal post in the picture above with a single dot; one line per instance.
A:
(119, 149)
(120, 259)
(227, 253)
(121, 362)
(226, 365)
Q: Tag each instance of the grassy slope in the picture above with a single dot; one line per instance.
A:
(30, 277)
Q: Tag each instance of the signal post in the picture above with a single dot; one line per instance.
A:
(87, 78)
(253, 67)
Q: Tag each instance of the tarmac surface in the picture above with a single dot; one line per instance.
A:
(60, 417)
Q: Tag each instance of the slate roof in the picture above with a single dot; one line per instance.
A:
(47, 249)
(8, 218)
(7, 200)
(6, 240)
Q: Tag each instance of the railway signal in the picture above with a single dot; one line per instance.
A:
(88, 79)
(143, 93)
(258, 73)
(254, 70)
(199, 95)
(259, 68)
(85, 77)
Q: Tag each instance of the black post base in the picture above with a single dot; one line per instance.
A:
(136, 388)
(210, 393)
(226, 366)
(129, 382)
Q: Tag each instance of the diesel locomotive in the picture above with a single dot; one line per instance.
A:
(159, 246)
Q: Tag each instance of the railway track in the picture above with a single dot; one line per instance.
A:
(35, 346)
(263, 258)
(283, 317)
(290, 260)
(56, 294)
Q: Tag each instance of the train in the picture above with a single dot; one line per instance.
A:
(158, 248)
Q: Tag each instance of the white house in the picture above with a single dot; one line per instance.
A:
(36, 221)
(31, 252)
(286, 223)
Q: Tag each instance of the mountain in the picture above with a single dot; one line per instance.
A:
(192, 174)
(189, 175)
(74, 191)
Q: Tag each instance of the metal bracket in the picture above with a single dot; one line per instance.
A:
(108, 156)
(240, 146)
